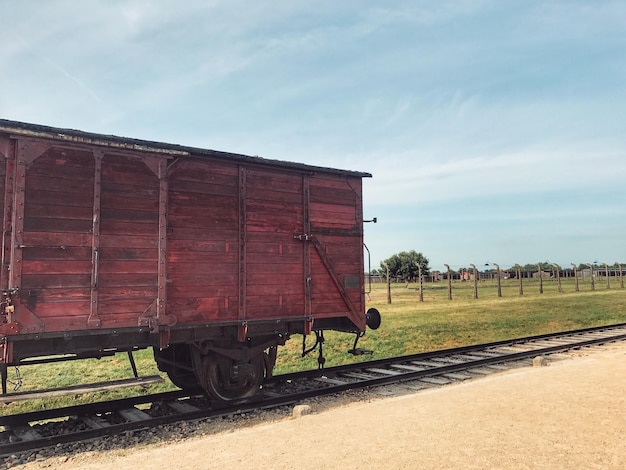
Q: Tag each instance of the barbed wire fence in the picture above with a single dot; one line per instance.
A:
(592, 275)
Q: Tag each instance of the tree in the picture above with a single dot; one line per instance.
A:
(403, 265)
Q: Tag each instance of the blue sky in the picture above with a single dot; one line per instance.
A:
(495, 130)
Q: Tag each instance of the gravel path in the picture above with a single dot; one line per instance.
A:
(567, 415)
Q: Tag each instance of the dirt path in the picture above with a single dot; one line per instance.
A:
(568, 415)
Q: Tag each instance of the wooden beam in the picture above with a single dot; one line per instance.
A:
(79, 389)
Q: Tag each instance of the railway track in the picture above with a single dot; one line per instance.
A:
(55, 427)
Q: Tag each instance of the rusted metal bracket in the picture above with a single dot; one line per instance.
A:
(164, 338)
(94, 317)
(30, 150)
(308, 326)
(242, 313)
(306, 228)
(7, 325)
(9, 328)
(152, 321)
(329, 267)
(7, 236)
(242, 331)
(27, 317)
(161, 307)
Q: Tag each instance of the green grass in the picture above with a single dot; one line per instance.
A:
(409, 326)
(63, 374)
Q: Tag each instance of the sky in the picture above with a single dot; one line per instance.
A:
(495, 130)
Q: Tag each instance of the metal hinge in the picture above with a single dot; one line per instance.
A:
(303, 238)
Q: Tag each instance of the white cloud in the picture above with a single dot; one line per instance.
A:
(444, 102)
(413, 180)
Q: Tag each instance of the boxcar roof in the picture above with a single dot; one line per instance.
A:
(72, 135)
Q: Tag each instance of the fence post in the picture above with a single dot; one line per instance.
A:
(475, 280)
(540, 278)
(449, 282)
(621, 276)
(498, 278)
(593, 284)
(518, 273)
(608, 279)
(421, 288)
(575, 277)
(558, 277)
(388, 283)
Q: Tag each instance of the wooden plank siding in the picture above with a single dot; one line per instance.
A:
(203, 231)
(275, 259)
(7, 162)
(56, 246)
(336, 222)
(128, 241)
(56, 243)
(103, 237)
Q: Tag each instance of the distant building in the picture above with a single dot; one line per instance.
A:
(544, 274)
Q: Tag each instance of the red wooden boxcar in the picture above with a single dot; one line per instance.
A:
(211, 258)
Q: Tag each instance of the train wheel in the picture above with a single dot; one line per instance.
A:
(184, 379)
(227, 379)
(178, 365)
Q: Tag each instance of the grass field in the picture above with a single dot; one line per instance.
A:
(408, 326)
(411, 326)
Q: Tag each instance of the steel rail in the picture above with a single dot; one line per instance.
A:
(446, 352)
(89, 408)
(327, 381)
